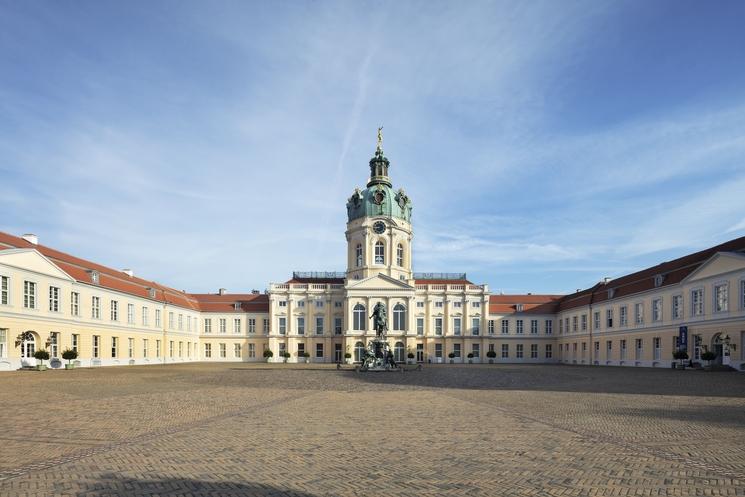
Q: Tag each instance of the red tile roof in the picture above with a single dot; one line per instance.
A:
(249, 302)
(117, 280)
(672, 272)
(532, 304)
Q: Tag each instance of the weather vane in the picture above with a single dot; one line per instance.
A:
(380, 139)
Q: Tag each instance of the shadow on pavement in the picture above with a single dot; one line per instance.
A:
(114, 485)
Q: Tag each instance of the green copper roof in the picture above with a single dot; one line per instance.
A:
(379, 200)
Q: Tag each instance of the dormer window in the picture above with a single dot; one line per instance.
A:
(519, 307)
(95, 277)
(658, 280)
(237, 306)
(151, 293)
(611, 293)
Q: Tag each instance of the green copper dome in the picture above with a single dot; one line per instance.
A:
(379, 199)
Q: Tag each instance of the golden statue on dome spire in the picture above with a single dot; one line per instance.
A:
(380, 139)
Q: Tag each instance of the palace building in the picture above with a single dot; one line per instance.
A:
(56, 301)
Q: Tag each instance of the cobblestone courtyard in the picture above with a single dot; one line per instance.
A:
(297, 430)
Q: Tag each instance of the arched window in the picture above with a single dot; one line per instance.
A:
(399, 317)
(358, 254)
(400, 255)
(359, 315)
(359, 351)
(398, 352)
(379, 253)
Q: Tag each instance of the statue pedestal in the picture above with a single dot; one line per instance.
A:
(378, 357)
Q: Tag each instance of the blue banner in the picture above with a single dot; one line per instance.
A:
(683, 338)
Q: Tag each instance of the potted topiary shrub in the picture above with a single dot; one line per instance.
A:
(452, 357)
(69, 355)
(348, 357)
(41, 355)
(680, 355)
(410, 356)
(491, 355)
(708, 356)
(306, 355)
(268, 354)
(286, 356)
(470, 358)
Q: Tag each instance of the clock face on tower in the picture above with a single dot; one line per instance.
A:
(379, 227)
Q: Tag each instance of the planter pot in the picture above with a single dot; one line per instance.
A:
(348, 361)
(410, 361)
(307, 361)
(268, 359)
(69, 366)
(452, 361)
(470, 361)
(41, 367)
(491, 361)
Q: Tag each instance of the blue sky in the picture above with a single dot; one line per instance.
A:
(545, 145)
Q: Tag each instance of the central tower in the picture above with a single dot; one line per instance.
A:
(379, 225)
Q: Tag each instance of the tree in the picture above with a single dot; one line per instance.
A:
(268, 353)
(680, 355)
(41, 355)
(69, 355)
(708, 356)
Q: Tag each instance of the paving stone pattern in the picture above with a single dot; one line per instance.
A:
(310, 430)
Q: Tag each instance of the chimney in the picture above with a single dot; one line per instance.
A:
(606, 280)
(221, 291)
(31, 238)
(128, 272)
(254, 292)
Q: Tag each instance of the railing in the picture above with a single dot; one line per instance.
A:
(440, 276)
(318, 274)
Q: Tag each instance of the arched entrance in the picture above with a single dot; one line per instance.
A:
(398, 352)
(28, 340)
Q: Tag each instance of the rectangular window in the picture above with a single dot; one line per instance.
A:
(609, 318)
(54, 299)
(721, 298)
(319, 351)
(114, 310)
(490, 326)
(656, 344)
(251, 350)
(207, 350)
(742, 299)
(29, 295)
(677, 307)
(131, 347)
(476, 326)
(236, 325)
(534, 327)
(208, 325)
(608, 349)
(223, 325)
(438, 303)
(319, 326)
(4, 290)
(561, 326)
(583, 322)
(237, 350)
(420, 326)
(157, 348)
(252, 325)
(534, 351)
(283, 303)
(171, 322)
(337, 326)
(657, 310)
(623, 315)
(170, 348)
(75, 343)
(301, 326)
(519, 351)
(145, 316)
(181, 349)
(338, 304)
(300, 349)
(639, 313)
(549, 326)
(266, 326)
(456, 326)
(476, 350)
(505, 326)
(54, 344)
(549, 351)
(697, 302)
(282, 326)
(638, 352)
(438, 350)
(188, 324)
(476, 304)
(130, 314)
(319, 304)
(505, 351)
(623, 349)
(180, 321)
(157, 318)
(457, 305)
(114, 346)
(596, 320)
(519, 325)
(75, 304)
(574, 324)
(420, 305)
(96, 346)
(282, 349)
(144, 347)
(438, 326)
(456, 349)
